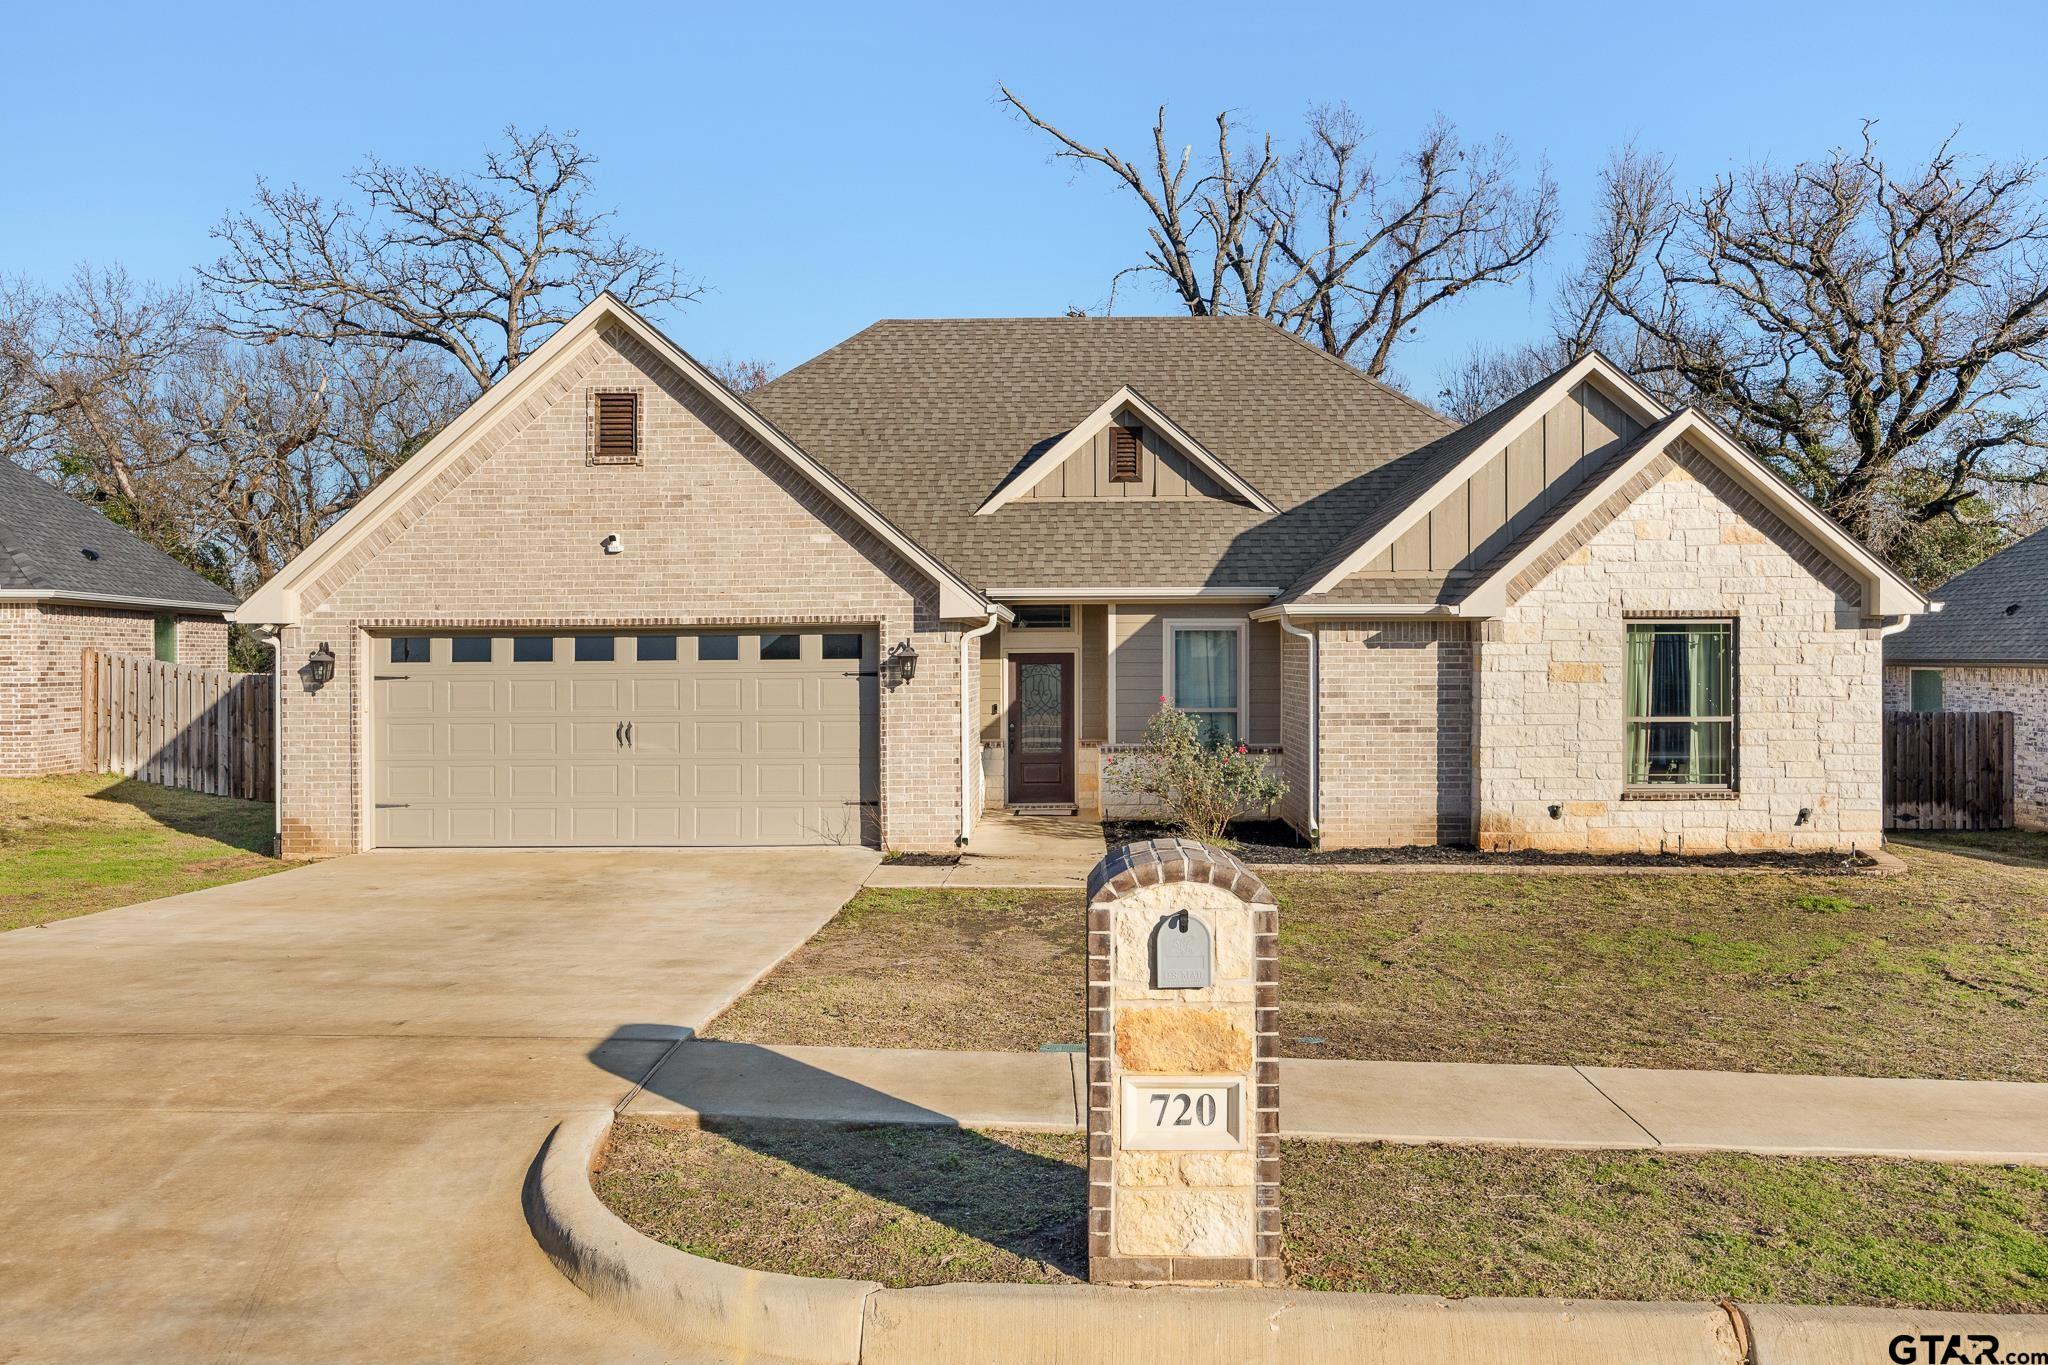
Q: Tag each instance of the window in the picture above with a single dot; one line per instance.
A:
(615, 428)
(1204, 674)
(533, 649)
(167, 639)
(1681, 704)
(782, 647)
(470, 649)
(842, 646)
(1126, 455)
(655, 649)
(712, 648)
(1926, 689)
(412, 649)
(1045, 618)
(595, 649)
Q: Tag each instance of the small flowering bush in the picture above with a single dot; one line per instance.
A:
(1201, 786)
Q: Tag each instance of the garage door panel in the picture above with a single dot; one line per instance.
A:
(502, 752)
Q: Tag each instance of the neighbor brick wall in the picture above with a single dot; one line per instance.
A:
(42, 648)
(2022, 691)
(718, 531)
(1397, 733)
(1684, 540)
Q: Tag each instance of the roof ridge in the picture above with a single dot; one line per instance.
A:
(1451, 423)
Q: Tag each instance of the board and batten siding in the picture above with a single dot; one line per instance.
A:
(1478, 519)
(1164, 474)
(1140, 644)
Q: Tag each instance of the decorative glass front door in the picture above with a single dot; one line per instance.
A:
(1041, 728)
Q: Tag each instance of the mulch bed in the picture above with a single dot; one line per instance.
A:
(1274, 841)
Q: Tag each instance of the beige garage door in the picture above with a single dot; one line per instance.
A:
(596, 740)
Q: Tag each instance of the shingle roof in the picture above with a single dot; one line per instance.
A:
(1994, 613)
(924, 418)
(45, 537)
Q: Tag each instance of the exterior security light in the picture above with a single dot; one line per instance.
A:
(319, 668)
(612, 545)
(902, 660)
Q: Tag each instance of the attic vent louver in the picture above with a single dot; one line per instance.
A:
(614, 428)
(1126, 455)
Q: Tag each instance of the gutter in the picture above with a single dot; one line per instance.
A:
(85, 599)
(1315, 725)
(968, 755)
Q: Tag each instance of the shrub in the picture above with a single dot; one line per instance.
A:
(1200, 786)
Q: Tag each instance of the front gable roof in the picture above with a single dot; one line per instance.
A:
(277, 602)
(55, 548)
(1126, 400)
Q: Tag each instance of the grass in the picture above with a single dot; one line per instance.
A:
(1939, 972)
(75, 844)
(912, 1206)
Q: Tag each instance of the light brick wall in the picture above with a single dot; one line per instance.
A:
(1397, 733)
(2022, 691)
(42, 648)
(1552, 699)
(717, 530)
(1294, 733)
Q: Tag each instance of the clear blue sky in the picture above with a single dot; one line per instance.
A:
(823, 167)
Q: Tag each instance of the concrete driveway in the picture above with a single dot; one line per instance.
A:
(288, 1119)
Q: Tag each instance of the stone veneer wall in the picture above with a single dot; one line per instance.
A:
(1682, 540)
(42, 650)
(718, 531)
(1980, 687)
(1397, 733)
(1229, 1200)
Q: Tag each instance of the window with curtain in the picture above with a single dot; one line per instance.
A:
(1205, 681)
(1681, 704)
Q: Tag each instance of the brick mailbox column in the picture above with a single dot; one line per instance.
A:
(1183, 1075)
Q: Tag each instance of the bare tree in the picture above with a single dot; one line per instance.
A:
(482, 266)
(742, 376)
(1323, 240)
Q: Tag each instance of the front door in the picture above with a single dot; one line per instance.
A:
(1041, 762)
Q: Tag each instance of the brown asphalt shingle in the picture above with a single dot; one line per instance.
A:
(925, 418)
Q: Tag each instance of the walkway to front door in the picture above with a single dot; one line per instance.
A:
(1041, 730)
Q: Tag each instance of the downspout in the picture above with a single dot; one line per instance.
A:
(969, 755)
(273, 638)
(1315, 727)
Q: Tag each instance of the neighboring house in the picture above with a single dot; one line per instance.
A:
(948, 566)
(1987, 650)
(70, 580)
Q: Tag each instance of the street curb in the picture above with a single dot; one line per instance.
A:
(704, 1305)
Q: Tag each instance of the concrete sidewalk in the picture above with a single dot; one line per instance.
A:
(1412, 1102)
(1024, 851)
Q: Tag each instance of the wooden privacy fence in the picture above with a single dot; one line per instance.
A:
(203, 729)
(1948, 770)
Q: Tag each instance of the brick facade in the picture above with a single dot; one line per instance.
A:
(1684, 541)
(1978, 687)
(717, 530)
(42, 646)
(1397, 733)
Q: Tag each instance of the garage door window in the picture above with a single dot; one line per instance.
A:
(470, 649)
(594, 649)
(411, 649)
(774, 647)
(655, 649)
(533, 649)
(716, 648)
(842, 646)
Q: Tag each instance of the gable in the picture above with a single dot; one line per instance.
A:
(1481, 515)
(509, 529)
(534, 386)
(1162, 472)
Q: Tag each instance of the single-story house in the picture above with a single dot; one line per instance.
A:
(949, 566)
(1986, 650)
(70, 580)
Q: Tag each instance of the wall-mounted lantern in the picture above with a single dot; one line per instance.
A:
(901, 665)
(319, 669)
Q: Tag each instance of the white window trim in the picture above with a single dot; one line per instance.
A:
(1174, 625)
